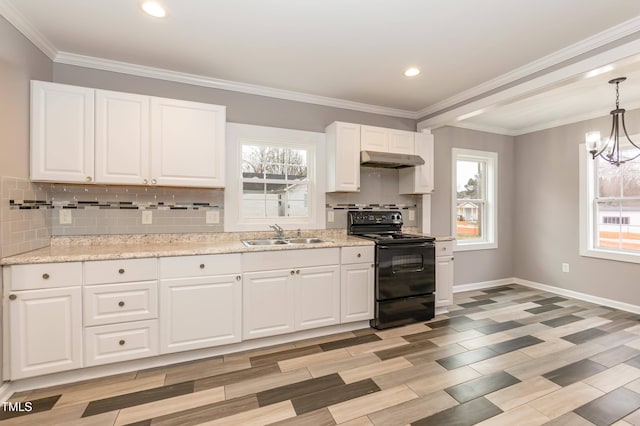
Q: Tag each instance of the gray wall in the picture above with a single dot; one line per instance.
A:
(20, 61)
(480, 265)
(546, 213)
(241, 107)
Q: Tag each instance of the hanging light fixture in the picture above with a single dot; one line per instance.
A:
(610, 150)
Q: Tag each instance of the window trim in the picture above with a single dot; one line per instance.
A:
(313, 142)
(491, 219)
(588, 225)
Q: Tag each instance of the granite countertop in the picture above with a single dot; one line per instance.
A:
(68, 249)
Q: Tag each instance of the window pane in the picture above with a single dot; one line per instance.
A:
(253, 200)
(608, 180)
(469, 220)
(471, 179)
(608, 226)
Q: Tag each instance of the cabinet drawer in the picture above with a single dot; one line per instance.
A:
(357, 254)
(113, 303)
(268, 261)
(120, 342)
(200, 266)
(444, 248)
(119, 271)
(45, 275)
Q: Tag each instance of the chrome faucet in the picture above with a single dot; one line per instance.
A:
(278, 229)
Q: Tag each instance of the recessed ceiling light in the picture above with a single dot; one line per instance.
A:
(412, 72)
(154, 9)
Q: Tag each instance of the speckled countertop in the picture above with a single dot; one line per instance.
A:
(77, 249)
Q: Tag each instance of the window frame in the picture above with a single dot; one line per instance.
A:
(312, 142)
(490, 219)
(588, 216)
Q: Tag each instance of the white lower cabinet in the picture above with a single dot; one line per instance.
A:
(444, 273)
(357, 280)
(268, 303)
(301, 291)
(46, 331)
(317, 297)
(197, 308)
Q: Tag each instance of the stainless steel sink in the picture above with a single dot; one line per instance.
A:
(277, 242)
(306, 241)
(251, 243)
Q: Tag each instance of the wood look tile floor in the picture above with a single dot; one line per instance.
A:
(503, 356)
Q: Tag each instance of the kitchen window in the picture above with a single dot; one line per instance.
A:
(273, 177)
(474, 177)
(610, 208)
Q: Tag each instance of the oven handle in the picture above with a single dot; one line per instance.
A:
(426, 244)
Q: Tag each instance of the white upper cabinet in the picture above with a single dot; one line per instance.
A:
(188, 141)
(62, 132)
(122, 138)
(138, 140)
(343, 157)
(419, 179)
(386, 140)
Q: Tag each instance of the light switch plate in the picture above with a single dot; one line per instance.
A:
(147, 217)
(331, 216)
(212, 216)
(65, 217)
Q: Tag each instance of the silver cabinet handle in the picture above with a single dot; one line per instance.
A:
(202, 266)
(122, 342)
(238, 278)
(121, 303)
(298, 271)
(45, 276)
(12, 297)
(146, 181)
(293, 272)
(121, 271)
(89, 179)
(153, 181)
(359, 255)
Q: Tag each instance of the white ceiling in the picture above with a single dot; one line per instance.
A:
(345, 50)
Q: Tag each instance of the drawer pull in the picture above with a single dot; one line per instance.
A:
(121, 271)
(202, 266)
(293, 272)
(121, 303)
(238, 278)
(45, 276)
(298, 271)
(373, 265)
(359, 255)
(122, 342)
(12, 297)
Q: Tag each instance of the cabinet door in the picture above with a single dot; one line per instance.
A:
(122, 138)
(62, 140)
(267, 306)
(419, 179)
(317, 297)
(343, 157)
(200, 312)
(45, 329)
(188, 140)
(444, 280)
(401, 142)
(357, 292)
(374, 139)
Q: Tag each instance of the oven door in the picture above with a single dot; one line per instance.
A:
(405, 270)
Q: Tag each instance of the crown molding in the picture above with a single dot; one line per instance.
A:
(215, 83)
(590, 43)
(484, 128)
(15, 18)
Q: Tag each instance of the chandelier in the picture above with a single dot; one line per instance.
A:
(610, 149)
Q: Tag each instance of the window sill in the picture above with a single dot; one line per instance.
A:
(611, 255)
(474, 246)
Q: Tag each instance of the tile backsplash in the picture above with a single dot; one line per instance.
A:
(22, 228)
(31, 213)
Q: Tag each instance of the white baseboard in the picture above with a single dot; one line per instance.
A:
(580, 296)
(6, 390)
(483, 284)
(551, 289)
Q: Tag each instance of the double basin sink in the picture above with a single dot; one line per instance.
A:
(282, 241)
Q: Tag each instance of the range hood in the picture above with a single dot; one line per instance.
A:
(389, 160)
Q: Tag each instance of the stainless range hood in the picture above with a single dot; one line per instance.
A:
(389, 160)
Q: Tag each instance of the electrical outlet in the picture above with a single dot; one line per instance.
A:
(147, 217)
(412, 215)
(212, 216)
(65, 217)
(565, 267)
(330, 216)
